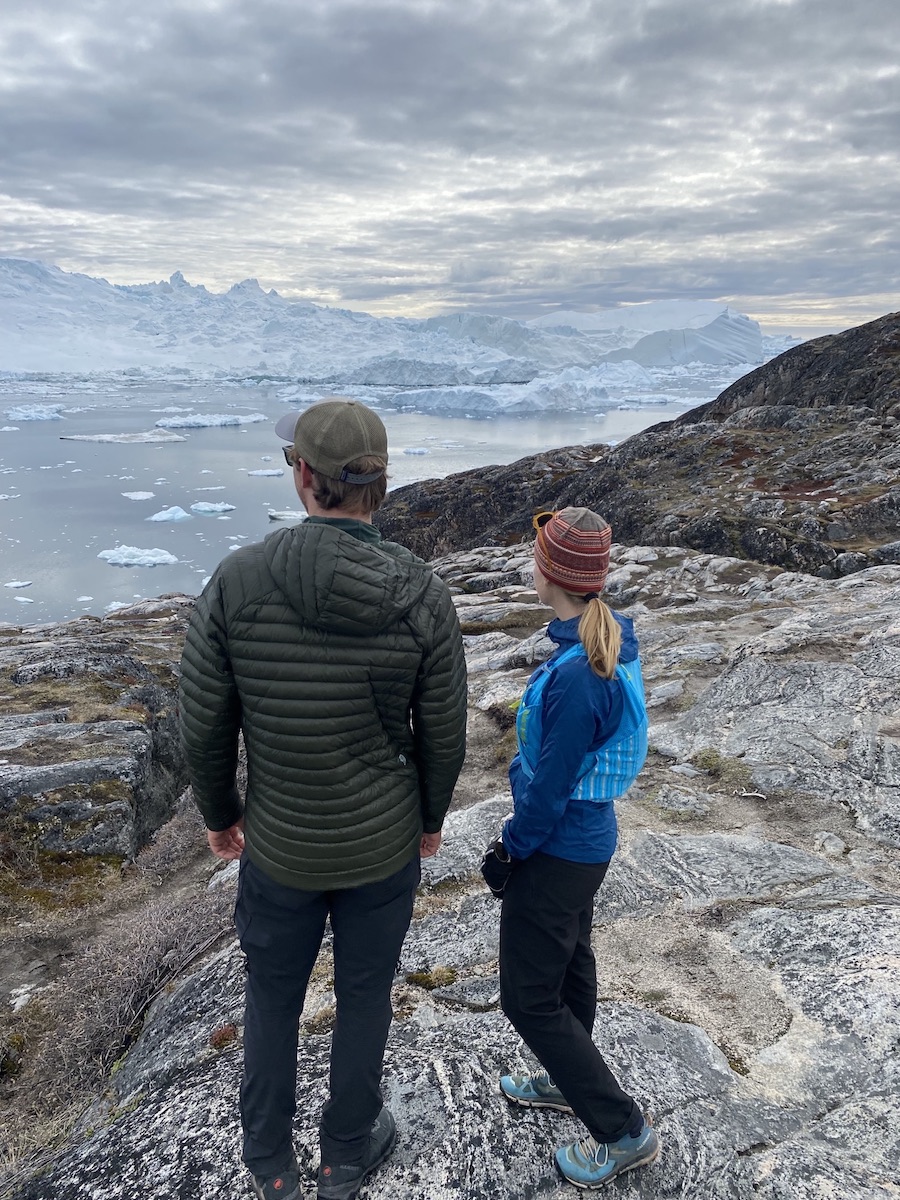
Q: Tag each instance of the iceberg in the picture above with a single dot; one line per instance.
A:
(286, 514)
(170, 514)
(266, 474)
(36, 412)
(133, 556)
(207, 507)
(138, 495)
(23, 599)
(18, 583)
(416, 450)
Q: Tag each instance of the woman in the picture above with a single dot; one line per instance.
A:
(582, 738)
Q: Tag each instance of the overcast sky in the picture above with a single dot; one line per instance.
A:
(418, 156)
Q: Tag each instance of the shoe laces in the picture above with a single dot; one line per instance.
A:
(594, 1151)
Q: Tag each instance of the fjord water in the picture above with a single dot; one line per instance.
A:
(62, 502)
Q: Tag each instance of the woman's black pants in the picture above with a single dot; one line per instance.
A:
(548, 985)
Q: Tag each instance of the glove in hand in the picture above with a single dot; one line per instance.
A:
(496, 867)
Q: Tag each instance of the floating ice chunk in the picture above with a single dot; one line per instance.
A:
(219, 488)
(206, 471)
(207, 507)
(170, 514)
(209, 420)
(36, 412)
(133, 556)
(18, 583)
(265, 458)
(286, 514)
(10, 496)
(23, 599)
(115, 605)
(9, 429)
(83, 599)
(205, 580)
(266, 473)
(415, 450)
(139, 495)
(125, 439)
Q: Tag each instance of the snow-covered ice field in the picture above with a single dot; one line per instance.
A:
(136, 423)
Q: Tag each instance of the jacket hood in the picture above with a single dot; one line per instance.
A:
(565, 634)
(336, 582)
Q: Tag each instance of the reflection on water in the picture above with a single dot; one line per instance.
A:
(63, 502)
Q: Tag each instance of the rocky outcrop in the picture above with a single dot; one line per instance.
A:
(745, 936)
(89, 757)
(797, 465)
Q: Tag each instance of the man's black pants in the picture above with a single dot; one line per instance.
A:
(548, 985)
(280, 930)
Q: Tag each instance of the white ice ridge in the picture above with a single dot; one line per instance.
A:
(210, 420)
(52, 321)
(207, 507)
(139, 495)
(133, 556)
(170, 514)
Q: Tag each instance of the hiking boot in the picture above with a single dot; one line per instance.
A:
(342, 1181)
(590, 1164)
(284, 1186)
(534, 1091)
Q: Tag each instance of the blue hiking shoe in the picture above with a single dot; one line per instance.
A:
(590, 1164)
(342, 1181)
(284, 1186)
(534, 1091)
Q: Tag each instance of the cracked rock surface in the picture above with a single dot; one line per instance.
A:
(746, 935)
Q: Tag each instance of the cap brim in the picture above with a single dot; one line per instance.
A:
(286, 426)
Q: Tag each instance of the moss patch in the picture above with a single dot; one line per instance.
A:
(730, 773)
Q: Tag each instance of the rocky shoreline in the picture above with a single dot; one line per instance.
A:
(746, 935)
(797, 465)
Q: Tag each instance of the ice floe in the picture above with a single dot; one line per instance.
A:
(263, 474)
(175, 513)
(18, 583)
(133, 556)
(158, 436)
(286, 514)
(138, 495)
(210, 420)
(209, 507)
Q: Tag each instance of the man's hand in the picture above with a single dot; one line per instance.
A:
(227, 844)
(429, 845)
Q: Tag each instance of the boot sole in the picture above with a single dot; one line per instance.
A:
(548, 1104)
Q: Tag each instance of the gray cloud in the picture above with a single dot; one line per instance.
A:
(419, 155)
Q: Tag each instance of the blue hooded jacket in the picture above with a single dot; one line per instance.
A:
(580, 712)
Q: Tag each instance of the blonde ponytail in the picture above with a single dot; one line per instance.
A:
(601, 636)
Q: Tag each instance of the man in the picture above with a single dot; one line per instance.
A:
(338, 656)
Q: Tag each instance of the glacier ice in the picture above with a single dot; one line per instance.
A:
(139, 495)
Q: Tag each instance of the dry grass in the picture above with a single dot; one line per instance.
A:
(65, 1042)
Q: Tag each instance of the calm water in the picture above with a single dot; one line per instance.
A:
(62, 502)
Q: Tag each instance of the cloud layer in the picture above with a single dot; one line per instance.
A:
(414, 156)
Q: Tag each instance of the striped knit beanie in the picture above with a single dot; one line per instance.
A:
(572, 550)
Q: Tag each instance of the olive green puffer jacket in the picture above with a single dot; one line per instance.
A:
(340, 659)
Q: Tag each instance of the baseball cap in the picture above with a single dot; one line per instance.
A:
(572, 549)
(332, 433)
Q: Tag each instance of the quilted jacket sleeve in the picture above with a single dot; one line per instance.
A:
(439, 711)
(210, 711)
